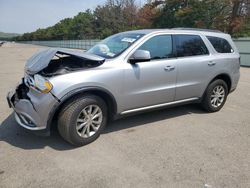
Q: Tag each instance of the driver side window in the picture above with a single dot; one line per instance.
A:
(160, 47)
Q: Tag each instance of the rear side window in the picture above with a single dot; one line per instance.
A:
(160, 47)
(220, 45)
(190, 45)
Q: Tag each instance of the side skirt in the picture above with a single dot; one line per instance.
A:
(158, 106)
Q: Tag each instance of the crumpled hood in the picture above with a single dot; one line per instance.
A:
(42, 58)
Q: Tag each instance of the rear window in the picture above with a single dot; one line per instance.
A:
(190, 45)
(220, 45)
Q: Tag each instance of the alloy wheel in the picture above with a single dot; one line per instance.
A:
(89, 121)
(218, 96)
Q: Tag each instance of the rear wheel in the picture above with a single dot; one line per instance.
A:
(215, 96)
(82, 120)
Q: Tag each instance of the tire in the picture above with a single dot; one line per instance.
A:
(76, 122)
(210, 96)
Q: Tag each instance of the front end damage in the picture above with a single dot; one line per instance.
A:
(30, 106)
(33, 105)
(52, 62)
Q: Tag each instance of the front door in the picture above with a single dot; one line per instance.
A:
(152, 82)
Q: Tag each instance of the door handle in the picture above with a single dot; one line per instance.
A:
(211, 63)
(169, 68)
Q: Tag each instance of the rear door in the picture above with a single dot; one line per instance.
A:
(195, 65)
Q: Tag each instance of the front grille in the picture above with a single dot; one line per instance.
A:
(21, 91)
(29, 80)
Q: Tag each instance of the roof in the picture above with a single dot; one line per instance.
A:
(179, 30)
(197, 29)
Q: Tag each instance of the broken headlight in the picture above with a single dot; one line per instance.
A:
(42, 84)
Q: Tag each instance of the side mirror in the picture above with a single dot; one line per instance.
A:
(140, 56)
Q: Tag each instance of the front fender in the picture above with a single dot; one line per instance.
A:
(55, 109)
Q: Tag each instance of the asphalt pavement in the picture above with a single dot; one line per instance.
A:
(178, 147)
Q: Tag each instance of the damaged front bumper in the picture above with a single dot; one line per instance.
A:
(31, 107)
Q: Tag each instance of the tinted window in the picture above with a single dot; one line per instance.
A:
(220, 45)
(190, 45)
(160, 47)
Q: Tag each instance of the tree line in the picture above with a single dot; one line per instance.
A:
(230, 16)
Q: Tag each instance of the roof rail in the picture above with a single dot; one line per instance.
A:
(197, 29)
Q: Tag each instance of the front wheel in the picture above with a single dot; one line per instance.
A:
(82, 120)
(215, 96)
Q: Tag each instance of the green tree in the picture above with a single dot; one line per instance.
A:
(116, 16)
(232, 16)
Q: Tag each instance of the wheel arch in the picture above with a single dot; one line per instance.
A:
(225, 77)
(108, 98)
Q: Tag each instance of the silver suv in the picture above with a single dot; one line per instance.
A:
(126, 73)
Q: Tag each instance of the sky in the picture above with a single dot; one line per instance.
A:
(20, 16)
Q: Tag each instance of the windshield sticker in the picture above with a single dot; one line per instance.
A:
(110, 54)
(130, 40)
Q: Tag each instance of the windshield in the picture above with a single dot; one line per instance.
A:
(114, 45)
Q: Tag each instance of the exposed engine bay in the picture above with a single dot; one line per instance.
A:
(52, 62)
(63, 63)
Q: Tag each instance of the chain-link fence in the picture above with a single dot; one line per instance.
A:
(243, 44)
(77, 44)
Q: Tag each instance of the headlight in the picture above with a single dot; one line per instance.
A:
(42, 84)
